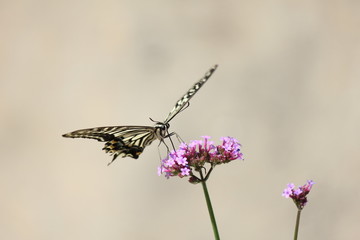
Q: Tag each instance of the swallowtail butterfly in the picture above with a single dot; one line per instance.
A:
(130, 141)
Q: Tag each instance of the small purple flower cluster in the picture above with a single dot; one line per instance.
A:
(194, 155)
(298, 195)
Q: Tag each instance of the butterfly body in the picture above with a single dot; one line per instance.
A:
(130, 141)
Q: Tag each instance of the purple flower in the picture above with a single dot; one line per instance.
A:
(181, 160)
(185, 171)
(286, 193)
(193, 157)
(297, 192)
(298, 195)
(170, 162)
(159, 171)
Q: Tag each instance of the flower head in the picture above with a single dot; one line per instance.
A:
(193, 156)
(298, 195)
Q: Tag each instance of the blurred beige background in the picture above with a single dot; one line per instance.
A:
(287, 87)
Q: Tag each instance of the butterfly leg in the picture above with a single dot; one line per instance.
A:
(171, 141)
(163, 142)
(167, 148)
(179, 138)
(159, 153)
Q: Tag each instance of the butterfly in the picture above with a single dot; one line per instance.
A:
(130, 141)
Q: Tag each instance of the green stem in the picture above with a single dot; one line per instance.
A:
(297, 224)
(211, 211)
(208, 174)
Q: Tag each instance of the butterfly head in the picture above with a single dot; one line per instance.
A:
(161, 129)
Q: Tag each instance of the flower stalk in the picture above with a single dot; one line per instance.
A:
(297, 224)
(209, 206)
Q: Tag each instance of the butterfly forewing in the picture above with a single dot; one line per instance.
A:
(130, 141)
(181, 103)
(123, 140)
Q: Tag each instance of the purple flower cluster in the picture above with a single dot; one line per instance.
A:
(193, 156)
(298, 195)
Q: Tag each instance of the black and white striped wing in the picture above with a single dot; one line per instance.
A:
(181, 103)
(125, 141)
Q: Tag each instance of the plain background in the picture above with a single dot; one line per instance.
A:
(287, 87)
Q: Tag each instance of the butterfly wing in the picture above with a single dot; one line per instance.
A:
(126, 141)
(181, 103)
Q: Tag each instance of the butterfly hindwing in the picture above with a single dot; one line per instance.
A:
(116, 147)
